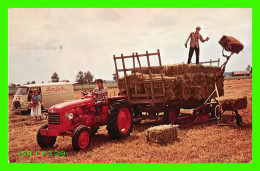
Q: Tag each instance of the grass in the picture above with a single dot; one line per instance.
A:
(205, 142)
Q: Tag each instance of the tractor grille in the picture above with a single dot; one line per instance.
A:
(53, 118)
(17, 104)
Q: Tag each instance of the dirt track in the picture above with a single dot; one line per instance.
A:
(204, 142)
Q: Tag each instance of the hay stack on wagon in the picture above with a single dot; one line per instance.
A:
(183, 82)
(231, 44)
(162, 134)
(234, 104)
(179, 69)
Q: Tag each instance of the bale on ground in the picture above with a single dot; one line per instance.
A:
(231, 44)
(162, 134)
(234, 104)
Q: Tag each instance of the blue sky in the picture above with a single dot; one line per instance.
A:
(90, 37)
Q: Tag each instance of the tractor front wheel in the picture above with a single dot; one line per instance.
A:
(81, 138)
(119, 120)
(45, 141)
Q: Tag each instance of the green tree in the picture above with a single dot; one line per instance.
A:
(88, 77)
(55, 77)
(80, 77)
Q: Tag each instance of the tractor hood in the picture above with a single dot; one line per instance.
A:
(58, 108)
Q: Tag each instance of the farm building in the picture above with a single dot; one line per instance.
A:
(241, 73)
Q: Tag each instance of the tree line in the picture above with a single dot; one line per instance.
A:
(81, 78)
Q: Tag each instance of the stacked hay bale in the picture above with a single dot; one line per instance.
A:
(234, 104)
(183, 82)
(132, 78)
(162, 134)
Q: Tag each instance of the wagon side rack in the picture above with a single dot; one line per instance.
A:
(137, 97)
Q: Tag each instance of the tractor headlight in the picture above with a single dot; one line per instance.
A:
(70, 115)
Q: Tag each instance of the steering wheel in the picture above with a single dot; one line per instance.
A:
(87, 92)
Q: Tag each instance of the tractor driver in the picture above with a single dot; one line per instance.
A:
(100, 96)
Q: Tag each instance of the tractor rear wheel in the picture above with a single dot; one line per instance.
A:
(170, 115)
(81, 138)
(45, 141)
(119, 120)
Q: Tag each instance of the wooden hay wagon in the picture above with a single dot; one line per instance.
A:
(153, 94)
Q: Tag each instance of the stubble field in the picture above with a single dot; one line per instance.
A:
(206, 142)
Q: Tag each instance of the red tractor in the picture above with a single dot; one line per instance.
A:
(78, 119)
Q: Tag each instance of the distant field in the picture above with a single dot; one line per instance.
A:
(202, 143)
(92, 86)
(236, 77)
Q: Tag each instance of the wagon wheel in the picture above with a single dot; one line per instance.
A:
(238, 118)
(137, 113)
(170, 116)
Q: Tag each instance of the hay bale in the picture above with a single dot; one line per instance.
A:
(179, 69)
(231, 44)
(194, 83)
(182, 87)
(234, 104)
(162, 134)
(132, 78)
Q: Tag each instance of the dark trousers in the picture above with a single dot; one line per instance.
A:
(197, 51)
(98, 107)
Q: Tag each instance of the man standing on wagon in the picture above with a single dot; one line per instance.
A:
(194, 38)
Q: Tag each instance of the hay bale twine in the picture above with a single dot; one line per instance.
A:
(162, 134)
